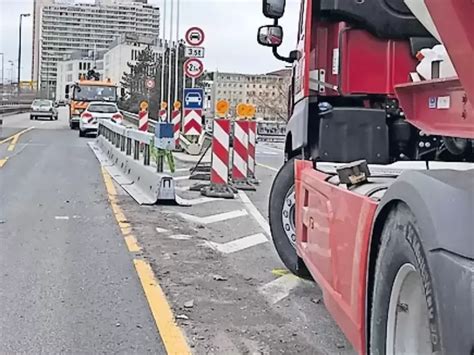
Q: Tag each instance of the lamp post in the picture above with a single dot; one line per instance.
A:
(3, 72)
(19, 51)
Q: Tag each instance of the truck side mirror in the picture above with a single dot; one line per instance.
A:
(270, 36)
(274, 9)
(122, 92)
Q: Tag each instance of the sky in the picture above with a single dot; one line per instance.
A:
(230, 27)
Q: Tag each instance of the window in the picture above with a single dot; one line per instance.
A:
(69, 67)
(69, 78)
(80, 65)
(88, 65)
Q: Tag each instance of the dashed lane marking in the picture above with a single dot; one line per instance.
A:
(173, 338)
(161, 230)
(64, 218)
(250, 207)
(220, 217)
(238, 244)
(171, 335)
(180, 237)
(180, 178)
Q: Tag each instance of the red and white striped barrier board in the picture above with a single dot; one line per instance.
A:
(220, 152)
(176, 121)
(143, 121)
(251, 150)
(219, 186)
(162, 115)
(192, 122)
(239, 163)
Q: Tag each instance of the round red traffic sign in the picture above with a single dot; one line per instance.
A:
(195, 36)
(150, 83)
(193, 68)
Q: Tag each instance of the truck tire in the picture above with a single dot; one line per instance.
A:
(281, 211)
(404, 317)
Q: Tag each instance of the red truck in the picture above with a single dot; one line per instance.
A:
(376, 198)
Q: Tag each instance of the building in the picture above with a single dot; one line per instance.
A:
(110, 64)
(61, 27)
(268, 92)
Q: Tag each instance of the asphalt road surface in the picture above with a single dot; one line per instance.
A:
(68, 284)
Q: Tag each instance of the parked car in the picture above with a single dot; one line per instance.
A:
(60, 103)
(96, 111)
(43, 108)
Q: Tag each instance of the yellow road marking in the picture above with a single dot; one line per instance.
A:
(3, 162)
(280, 272)
(172, 336)
(124, 226)
(14, 139)
(173, 339)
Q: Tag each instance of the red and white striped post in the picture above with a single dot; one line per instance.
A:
(176, 121)
(162, 115)
(240, 158)
(219, 186)
(251, 163)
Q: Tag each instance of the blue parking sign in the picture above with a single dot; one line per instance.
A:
(193, 99)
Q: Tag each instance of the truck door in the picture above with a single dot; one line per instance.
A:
(301, 66)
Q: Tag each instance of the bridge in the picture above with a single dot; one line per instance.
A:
(85, 268)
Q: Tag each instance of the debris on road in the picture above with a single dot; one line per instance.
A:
(189, 304)
(219, 278)
(316, 300)
(182, 316)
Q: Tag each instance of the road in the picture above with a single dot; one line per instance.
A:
(67, 281)
(68, 278)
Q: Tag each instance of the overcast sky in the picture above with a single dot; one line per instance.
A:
(230, 27)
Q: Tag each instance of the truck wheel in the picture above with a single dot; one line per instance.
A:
(281, 211)
(404, 318)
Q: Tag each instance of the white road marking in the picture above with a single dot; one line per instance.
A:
(267, 167)
(179, 178)
(180, 170)
(161, 230)
(220, 217)
(180, 237)
(239, 244)
(198, 201)
(61, 217)
(266, 153)
(255, 212)
(280, 288)
(182, 188)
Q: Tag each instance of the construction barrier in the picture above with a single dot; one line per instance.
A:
(251, 152)
(143, 121)
(192, 125)
(240, 156)
(118, 150)
(176, 121)
(162, 116)
(219, 186)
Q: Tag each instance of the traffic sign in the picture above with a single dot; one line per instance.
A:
(150, 84)
(222, 108)
(193, 68)
(242, 110)
(193, 99)
(143, 105)
(195, 36)
(250, 111)
(194, 52)
(177, 105)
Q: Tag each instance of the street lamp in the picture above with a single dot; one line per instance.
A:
(19, 51)
(3, 72)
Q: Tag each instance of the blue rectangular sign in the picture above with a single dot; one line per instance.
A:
(193, 99)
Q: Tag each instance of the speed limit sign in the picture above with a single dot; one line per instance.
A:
(193, 68)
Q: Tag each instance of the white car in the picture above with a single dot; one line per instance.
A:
(44, 109)
(194, 98)
(96, 111)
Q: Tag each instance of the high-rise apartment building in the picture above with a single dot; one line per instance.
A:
(61, 27)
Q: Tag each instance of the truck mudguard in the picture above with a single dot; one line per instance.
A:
(446, 222)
